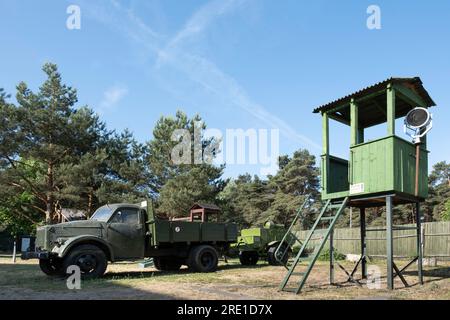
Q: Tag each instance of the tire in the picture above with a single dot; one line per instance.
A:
(203, 258)
(167, 263)
(271, 259)
(52, 266)
(248, 258)
(91, 260)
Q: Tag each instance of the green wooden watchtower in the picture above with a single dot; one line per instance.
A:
(382, 171)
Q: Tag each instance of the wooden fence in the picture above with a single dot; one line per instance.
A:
(436, 239)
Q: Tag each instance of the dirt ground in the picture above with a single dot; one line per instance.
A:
(24, 280)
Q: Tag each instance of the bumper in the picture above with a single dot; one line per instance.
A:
(35, 255)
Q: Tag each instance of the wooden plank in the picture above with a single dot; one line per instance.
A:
(390, 110)
(354, 122)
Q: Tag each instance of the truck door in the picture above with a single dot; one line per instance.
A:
(126, 233)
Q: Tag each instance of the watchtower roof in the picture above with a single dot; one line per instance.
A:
(372, 102)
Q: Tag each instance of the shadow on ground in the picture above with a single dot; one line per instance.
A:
(27, 282)
(184, 271)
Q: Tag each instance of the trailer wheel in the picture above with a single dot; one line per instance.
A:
(89, 258)
(51, 266)
(203, 258)
(272, 260)
(167, 263)
(248, 258)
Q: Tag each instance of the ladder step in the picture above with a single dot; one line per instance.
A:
(327, 218)
(335, 206)
(293, 290)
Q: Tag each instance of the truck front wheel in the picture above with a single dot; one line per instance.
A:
(89, 258)
(203, 258)
(51, 266)
(248, 258)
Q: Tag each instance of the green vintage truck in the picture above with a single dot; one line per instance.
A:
(125, 231)
(256, 243)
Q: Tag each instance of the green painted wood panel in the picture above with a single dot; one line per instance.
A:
(372, 164)
(405, 168)
(213, 231)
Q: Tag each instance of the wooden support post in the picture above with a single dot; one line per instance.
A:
(354, 130)
(325, 134)
(389, 244)
(419, 244)
(325, 151)
(390, 110)
(362, 223)
(416, 182)
(331, 256)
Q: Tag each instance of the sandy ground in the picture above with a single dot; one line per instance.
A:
(24, 280)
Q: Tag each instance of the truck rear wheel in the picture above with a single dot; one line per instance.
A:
(52, 266)
(248, 258)
(89, 258)
(167, 263)
(203, 258)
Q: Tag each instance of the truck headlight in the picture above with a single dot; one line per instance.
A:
(61, 241)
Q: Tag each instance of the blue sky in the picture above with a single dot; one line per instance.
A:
(238, 63)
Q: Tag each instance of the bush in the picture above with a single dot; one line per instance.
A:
(325, 255)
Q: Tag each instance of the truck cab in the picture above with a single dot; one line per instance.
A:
(125, 231)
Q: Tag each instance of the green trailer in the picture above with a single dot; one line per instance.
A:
(119, 232)
(256, 243)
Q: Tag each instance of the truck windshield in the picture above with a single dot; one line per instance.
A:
(102, 214)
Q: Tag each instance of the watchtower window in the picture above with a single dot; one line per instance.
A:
(339, 134)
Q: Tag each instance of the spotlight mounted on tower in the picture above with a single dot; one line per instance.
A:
(418, 122)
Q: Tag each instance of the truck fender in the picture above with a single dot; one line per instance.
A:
(72, 242)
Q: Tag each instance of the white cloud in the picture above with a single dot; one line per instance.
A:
(198, 22)
(111, 97)
(200, 70)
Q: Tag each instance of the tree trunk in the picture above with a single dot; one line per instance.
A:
(50, 210)
(90, 204)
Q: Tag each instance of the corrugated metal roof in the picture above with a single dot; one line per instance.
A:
(415, 82)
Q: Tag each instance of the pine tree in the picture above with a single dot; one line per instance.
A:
(44, 133)
(179, 185)
(298, 177)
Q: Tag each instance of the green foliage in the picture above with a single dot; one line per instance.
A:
(199, 184)
(252, 201)
(325, 255)
(63, 155)
(181, 185)
(446, 214)
(439, 189)
(16, 215)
